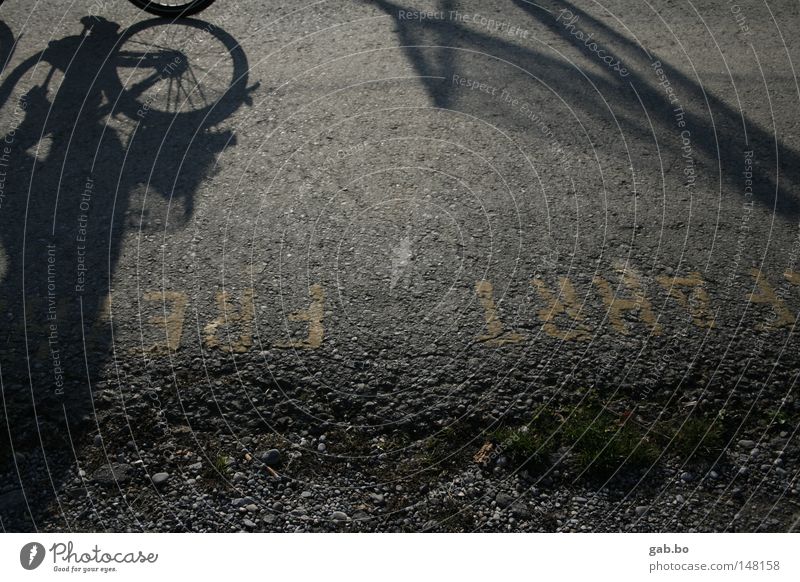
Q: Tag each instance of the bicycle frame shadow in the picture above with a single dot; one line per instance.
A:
(69, 177)
(720, 134)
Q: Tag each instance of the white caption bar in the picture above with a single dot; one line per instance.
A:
(617, 557)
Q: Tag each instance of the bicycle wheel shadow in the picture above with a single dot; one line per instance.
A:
(69, 173)
(637, 102)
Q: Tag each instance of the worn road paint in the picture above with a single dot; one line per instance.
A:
(565, 303)
(243, 318)
(174, 304)
(495, 333)
(561, 313)
(696, 302)
(313, 315)
(617, 306)
(766, 295)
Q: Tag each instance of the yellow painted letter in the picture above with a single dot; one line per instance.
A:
(637, 304)
(313, 315)
(495, 334)
(565, 303)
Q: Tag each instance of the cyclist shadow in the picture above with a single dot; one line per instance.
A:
(7, 44)
(77, 155)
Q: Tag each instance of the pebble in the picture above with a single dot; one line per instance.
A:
(641, 509)
(160, 478)
(339, 516)
(271, 458)
(113, 473)
(504, 499)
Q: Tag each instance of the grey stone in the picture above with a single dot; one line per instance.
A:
(504, 499)
(641, 510)
(113, 473)
(160, 478)
(271, 458)
(339, 516)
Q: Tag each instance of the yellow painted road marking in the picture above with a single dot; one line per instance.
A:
(565, 303)
(697, 301)
(313, 315)
(781, 316)
(638, 304)
(561, 315)
(243, 318)
(495, 333)
(174, 303)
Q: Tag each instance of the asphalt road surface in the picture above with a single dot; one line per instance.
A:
(378, 266)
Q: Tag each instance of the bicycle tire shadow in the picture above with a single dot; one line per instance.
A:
(69, 177)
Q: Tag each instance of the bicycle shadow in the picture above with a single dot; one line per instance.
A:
(7, 44)
(720, 134)
(69, 176)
